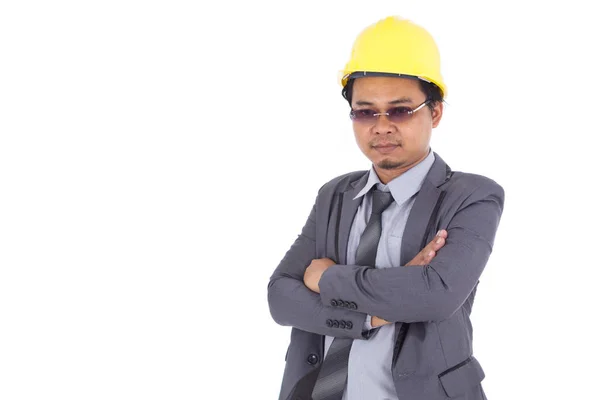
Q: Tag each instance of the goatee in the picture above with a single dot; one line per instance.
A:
(389, 164)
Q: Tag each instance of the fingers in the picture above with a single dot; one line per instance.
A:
(437, 243)
(429, 252)
(432, 248)
(439, 240)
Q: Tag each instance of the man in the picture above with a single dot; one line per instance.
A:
(379, 285)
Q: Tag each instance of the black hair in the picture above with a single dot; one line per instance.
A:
(431, 91)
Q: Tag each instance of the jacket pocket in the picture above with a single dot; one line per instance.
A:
(460, 378)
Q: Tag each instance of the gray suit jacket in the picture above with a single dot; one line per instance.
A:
(430, 305)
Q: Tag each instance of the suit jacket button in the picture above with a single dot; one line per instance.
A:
(336, 323)
(353, 306)
(334, 303)
(329, 323)
(343, 324)
(312, 359)
(348, 324)
(347, 304)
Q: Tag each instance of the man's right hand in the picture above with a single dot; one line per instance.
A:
(426, 255)
(423, 258)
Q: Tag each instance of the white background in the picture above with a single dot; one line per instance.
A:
(157, 160)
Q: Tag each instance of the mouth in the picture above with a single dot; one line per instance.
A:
(385, 149)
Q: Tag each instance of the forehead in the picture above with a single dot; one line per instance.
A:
(379, 89)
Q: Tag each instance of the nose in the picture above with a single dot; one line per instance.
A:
(383, 125)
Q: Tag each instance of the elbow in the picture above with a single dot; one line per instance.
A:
(274, 299)
(275, 315)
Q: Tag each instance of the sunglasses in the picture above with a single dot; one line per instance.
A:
(394, 115)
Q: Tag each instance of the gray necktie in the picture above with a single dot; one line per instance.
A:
(333, 374)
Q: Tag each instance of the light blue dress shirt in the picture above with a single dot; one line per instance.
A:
(370, 362)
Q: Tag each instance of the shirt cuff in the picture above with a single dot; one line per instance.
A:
(367, 325)
(368, 329)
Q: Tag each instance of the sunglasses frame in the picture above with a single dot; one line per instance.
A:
(372, 118)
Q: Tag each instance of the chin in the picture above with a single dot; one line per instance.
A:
(389, 164)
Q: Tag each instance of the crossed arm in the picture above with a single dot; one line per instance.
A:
(292, 303)
(432, 289)
(317, 267)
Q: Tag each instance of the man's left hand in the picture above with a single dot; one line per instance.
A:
(313, 273)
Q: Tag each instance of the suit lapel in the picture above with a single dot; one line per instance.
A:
(349, 207)
(422, 209)
(418, 220)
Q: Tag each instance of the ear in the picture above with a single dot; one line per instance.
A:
(436, 114)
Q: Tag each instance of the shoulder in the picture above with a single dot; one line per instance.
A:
(465, 180)
(341, 183)
(467, 184)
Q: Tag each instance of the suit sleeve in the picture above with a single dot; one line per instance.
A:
(431, 292)
(292, 304)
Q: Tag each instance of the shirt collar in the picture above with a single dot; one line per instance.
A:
(403, 186)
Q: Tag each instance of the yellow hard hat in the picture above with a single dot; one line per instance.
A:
(395, 46)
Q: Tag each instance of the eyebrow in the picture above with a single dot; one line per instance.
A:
(402, 100)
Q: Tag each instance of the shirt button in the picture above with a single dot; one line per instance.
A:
(312, 359)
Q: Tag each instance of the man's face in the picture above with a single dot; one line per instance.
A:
(393, 146)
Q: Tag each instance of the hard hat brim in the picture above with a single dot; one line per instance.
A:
(345, 77)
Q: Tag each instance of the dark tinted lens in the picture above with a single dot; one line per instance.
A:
(399, 114)
(362, 115)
